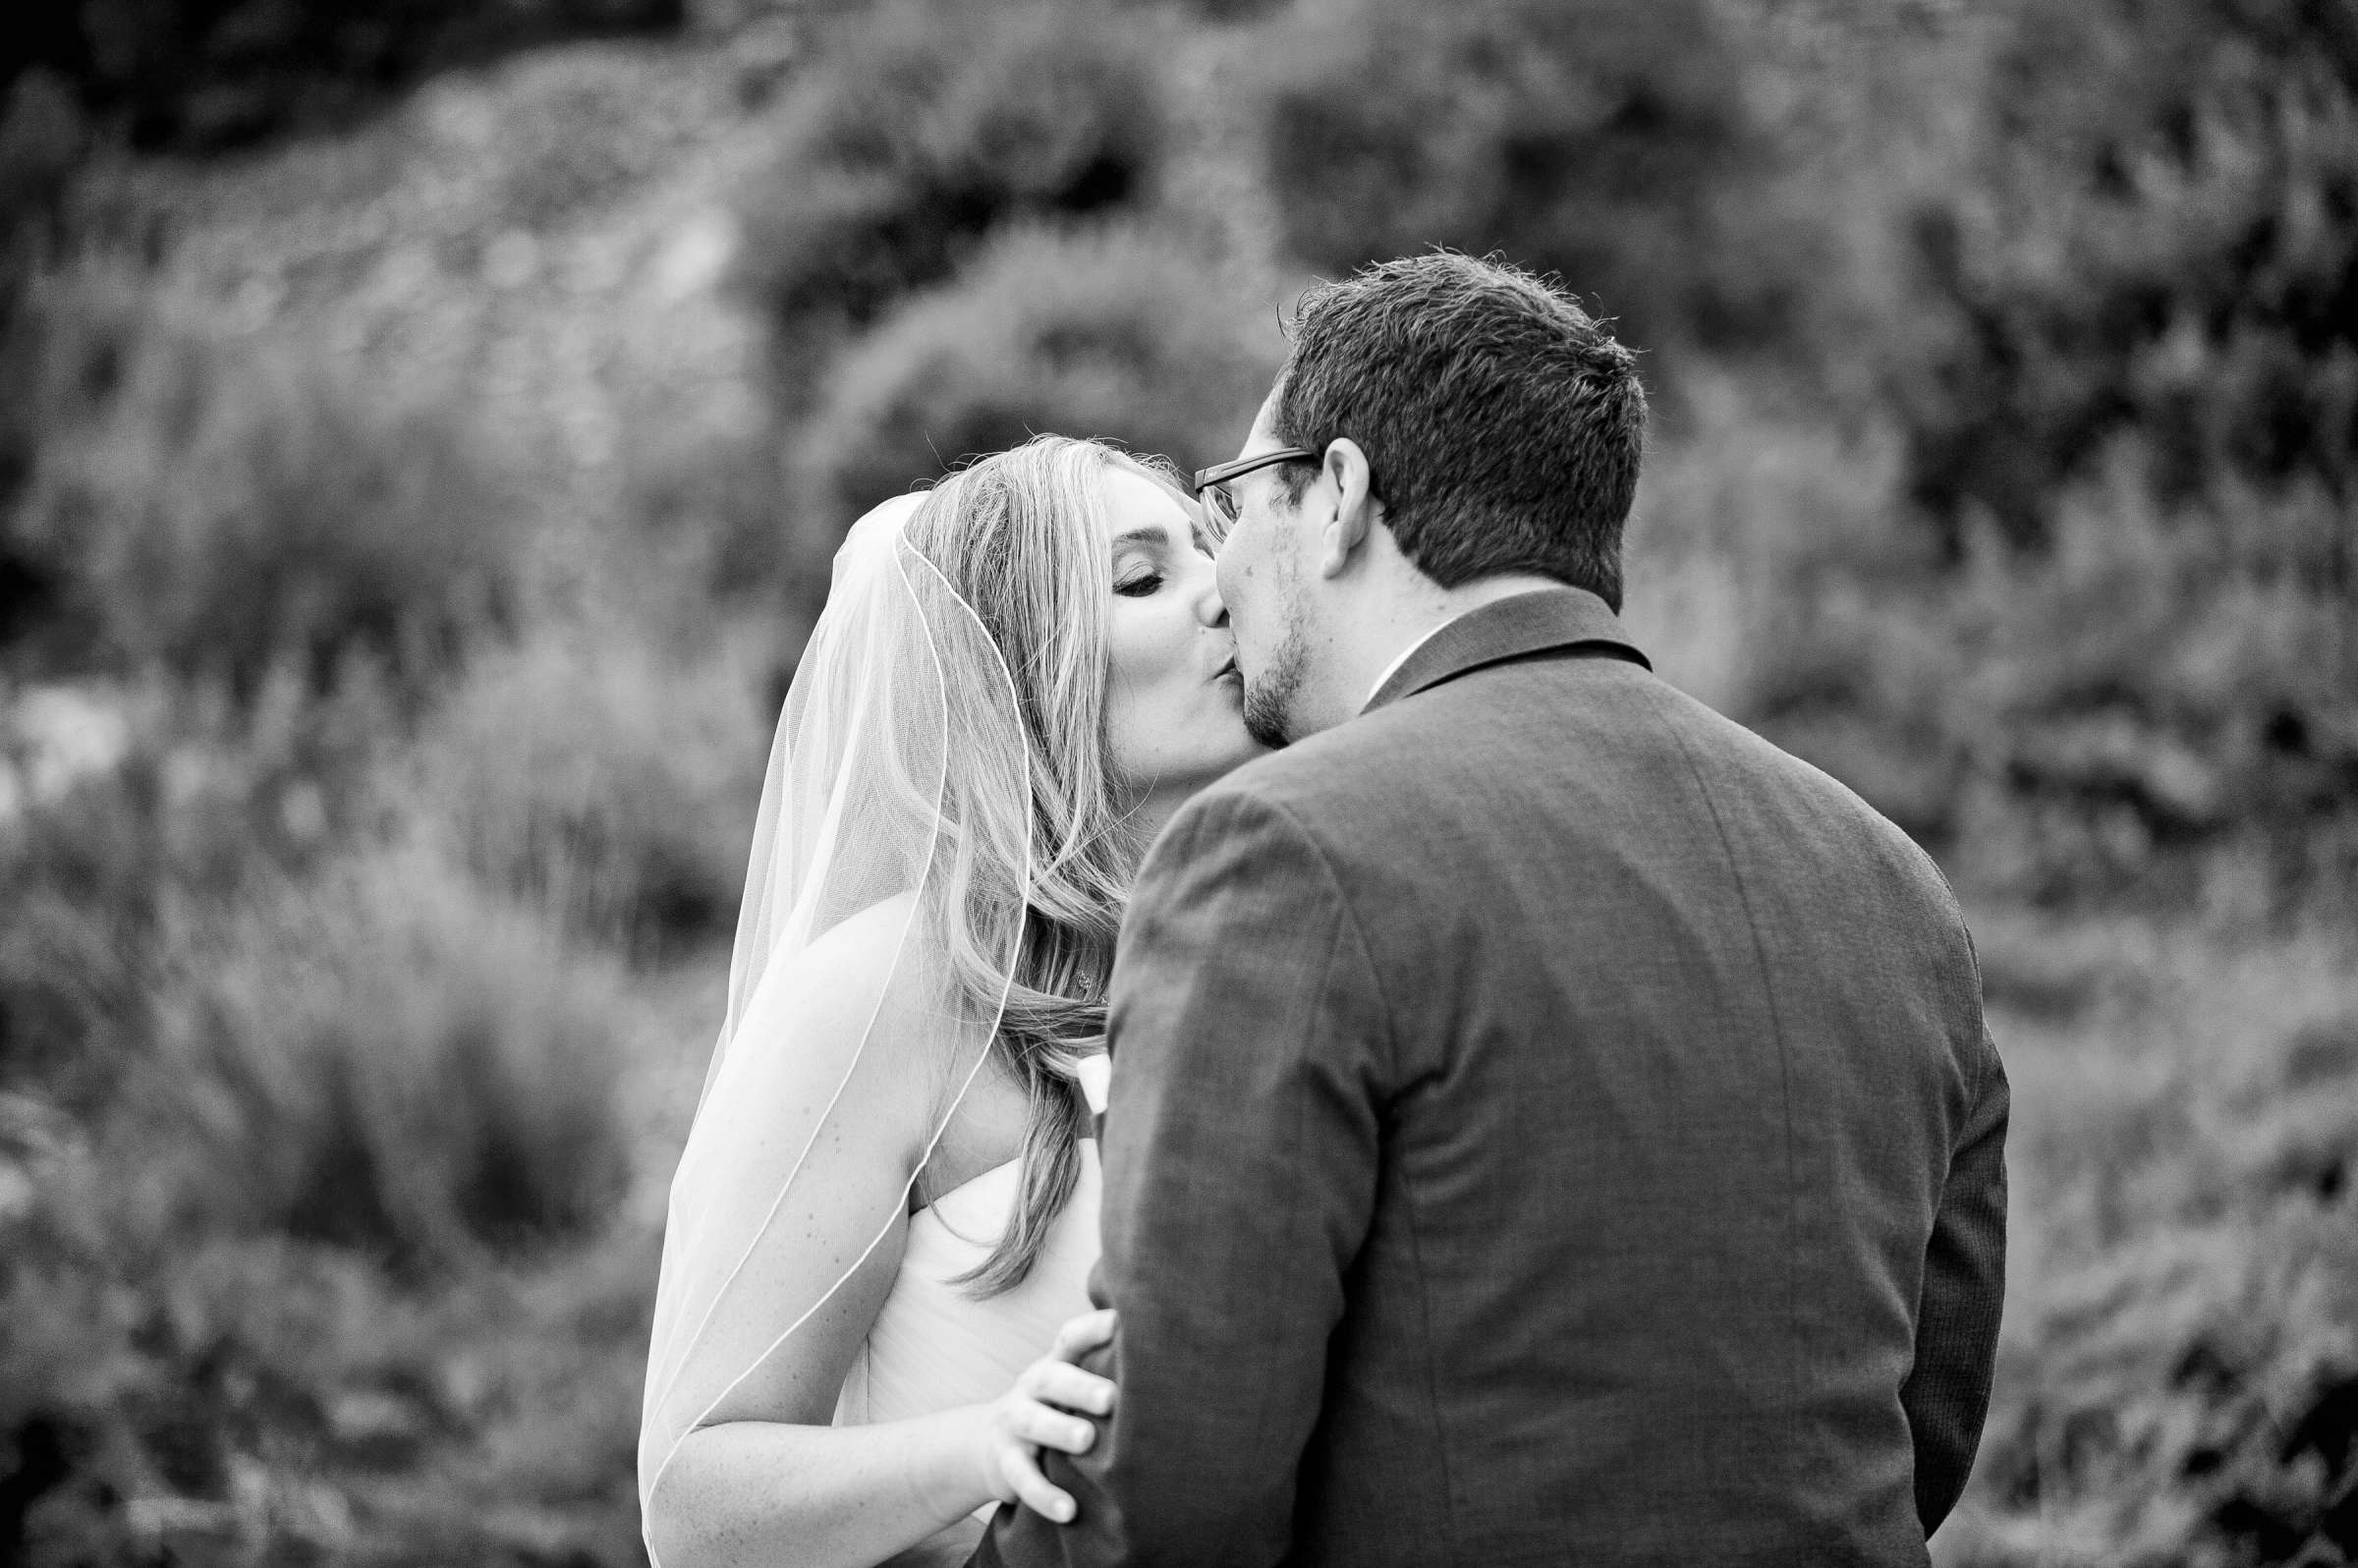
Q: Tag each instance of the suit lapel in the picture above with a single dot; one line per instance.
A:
(1539, 622)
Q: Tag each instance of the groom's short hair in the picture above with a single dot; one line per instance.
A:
(1502, 424)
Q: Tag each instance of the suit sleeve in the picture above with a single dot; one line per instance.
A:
(1251, 1046)
(1947, 1392)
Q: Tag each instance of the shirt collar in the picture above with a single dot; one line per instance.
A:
(1518, 626)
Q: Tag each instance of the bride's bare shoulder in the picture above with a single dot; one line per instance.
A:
(869, 942)
(872, 974)
(852, 1022)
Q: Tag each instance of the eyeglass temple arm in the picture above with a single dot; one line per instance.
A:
(1242, 466)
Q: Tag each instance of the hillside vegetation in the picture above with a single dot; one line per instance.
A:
(423, 430)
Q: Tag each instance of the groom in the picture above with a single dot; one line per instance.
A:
(1549, 1124)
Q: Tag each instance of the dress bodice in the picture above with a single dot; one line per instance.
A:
(935, 1345)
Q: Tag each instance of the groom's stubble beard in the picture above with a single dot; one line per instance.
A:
(1269, 700)
(1270, 697)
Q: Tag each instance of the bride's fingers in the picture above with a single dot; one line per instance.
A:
(1033, 1489)
(1053, 1429)
(1060, 1382)
(1082, 1334)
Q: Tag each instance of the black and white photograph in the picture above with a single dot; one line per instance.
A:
(1179, 784)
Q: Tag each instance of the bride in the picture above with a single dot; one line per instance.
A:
(886, 1212)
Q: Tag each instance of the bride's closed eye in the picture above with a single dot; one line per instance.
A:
(1141, 564)
(1141, 580)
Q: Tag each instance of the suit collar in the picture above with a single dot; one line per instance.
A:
(1512, 628)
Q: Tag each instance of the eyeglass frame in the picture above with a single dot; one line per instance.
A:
(1236, 468)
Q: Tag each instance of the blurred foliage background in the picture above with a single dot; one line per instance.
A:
(424, 424)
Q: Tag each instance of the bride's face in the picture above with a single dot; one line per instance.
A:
(1174, 702)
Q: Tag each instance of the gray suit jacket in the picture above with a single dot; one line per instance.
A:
(1549, 1124)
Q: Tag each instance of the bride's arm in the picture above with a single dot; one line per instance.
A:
(829, 1044)
(766, 1493)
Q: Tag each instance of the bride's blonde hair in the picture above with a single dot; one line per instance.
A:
(1020, 536)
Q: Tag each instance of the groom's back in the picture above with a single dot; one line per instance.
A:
(1683, 1041)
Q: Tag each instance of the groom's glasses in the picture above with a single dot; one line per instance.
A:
(1219, 501)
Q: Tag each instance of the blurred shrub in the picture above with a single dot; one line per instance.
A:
(2132, 402)
(2178, 1378)
(42, 139)
(119, 803)
(2152, 709)
(1610, 143)
(931, 123)
(219, 1402)
(386, 1061)
(556, 135)
(2157, 697)
(341, 1270)
(596, 779)
(223, 508)
(2155, 234)
(84, 880)
(1217, 11)
(1119, 332)
(197, 76)
(1781, 578)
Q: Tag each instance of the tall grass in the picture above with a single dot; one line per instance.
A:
(372, 1105)
(1614, 144)
(379, 1058)
(937, 121)
(602, 780)
(1121, 331)
(316, 1161)
(2178, 1381)
(364, 859)
(221, 506)
(2151, 709)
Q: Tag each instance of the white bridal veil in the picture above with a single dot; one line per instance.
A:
(895, 818)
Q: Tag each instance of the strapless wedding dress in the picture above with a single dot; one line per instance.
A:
(935, 1345)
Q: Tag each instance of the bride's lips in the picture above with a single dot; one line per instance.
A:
(1229, 671)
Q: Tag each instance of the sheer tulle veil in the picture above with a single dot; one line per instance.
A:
(885, 826)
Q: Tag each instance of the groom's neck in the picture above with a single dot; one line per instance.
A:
(1396, 621)
(1389, 623)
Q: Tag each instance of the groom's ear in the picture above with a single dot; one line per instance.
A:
(1344, 471)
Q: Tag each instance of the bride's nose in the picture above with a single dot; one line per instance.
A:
(1211, 608)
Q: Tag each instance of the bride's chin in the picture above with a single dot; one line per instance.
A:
(1246, 748)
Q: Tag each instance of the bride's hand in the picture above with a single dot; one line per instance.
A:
(1038, 1413)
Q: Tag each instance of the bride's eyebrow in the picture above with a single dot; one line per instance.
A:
(1156, 536)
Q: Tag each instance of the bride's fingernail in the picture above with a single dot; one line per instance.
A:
(1064, 1512)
